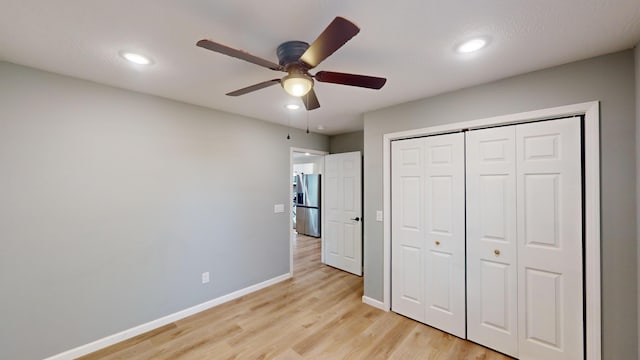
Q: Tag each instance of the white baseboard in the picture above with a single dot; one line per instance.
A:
(154, 324)
(373, 302)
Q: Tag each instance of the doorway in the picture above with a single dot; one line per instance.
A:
(340, 205)
(304, 162)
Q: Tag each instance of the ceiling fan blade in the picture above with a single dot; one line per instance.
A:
(255, 87)
(370, 82)
(332, 38)
(310, 100)
(238, 54)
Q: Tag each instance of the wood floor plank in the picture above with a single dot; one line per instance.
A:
(318, 314)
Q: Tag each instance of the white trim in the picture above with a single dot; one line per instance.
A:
(373, 302)
(289, 185)
(591, 110)
(154, 324)
(593, 274)
(386, 224)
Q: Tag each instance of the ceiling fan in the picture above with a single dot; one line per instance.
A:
(296, 58)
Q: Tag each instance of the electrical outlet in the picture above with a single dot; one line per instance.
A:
(205, 277)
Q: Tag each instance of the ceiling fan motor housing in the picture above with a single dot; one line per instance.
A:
(290, 52)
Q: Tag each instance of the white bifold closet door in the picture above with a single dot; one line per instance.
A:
(550, 286)
(524, 239)
(492, 277)
(428, 231)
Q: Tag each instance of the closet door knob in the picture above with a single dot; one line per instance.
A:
(496, 251)
(437, 242)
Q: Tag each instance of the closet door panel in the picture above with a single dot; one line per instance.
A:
(491, 239)
(445, 233)
(550, 240)
(407, 228)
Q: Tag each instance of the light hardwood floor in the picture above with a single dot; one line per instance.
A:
(318, 314)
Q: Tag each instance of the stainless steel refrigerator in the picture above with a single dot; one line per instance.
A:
(308, 204)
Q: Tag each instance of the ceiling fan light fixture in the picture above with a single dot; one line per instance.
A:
(297, 84)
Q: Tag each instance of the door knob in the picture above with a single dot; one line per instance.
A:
(437, 242)
(496, 251)
(356, 219)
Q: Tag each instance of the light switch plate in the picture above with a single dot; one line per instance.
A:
(205, 277)
(379, 216)
(278, 208)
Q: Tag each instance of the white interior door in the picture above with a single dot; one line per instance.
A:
(524, 239)
(549, 226)
(445, 233)
(492, 281)
(342, 238)
(428, 251)
(407, 228)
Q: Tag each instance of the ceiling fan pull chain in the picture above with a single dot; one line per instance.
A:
(307, 95)
(289, 125)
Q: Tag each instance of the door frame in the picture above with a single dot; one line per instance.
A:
(289, 182)
(591, 112)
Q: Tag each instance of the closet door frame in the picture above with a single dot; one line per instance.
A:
(592, 270)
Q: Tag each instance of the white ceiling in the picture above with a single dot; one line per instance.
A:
(411, 42)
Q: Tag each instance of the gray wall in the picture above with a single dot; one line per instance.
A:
(353, 141)
(609, 79)
(113, 203)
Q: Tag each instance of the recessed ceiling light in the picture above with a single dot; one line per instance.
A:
(136, 58)
(292, 106)
(472, 45)
(307, 154)
(320, 127)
